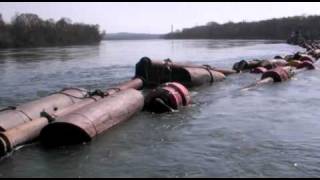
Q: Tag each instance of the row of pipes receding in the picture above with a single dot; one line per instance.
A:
(76, 115)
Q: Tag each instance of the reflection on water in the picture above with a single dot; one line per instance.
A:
(271, 131)
(57, 53)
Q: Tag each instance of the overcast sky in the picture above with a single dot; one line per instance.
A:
(157, 17)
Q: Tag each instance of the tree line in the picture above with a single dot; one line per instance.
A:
(29, 30)
(280, 28)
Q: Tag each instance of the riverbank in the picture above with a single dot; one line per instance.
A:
(131, 36)
(29, 30)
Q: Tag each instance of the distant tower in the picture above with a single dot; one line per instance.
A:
(171, 28)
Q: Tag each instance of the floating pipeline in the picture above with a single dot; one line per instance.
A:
(305, 56)
(89, 121)
(304, 61)
(86, 123)
(250, 65)
(183, 65)
(155, 73)
(309, 45)
(301, 64)
(14, 116)
(280, 74)
(81, 120)
(29, 131)
(315, 53)
(312, 55)
(301, 60)
(266, 65)
(312, 47)
(168, 97)
(261, 66)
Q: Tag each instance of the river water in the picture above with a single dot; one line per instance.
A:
(271, 131)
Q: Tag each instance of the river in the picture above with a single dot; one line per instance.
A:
(271, 131)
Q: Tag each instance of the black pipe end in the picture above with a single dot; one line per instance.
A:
(3, 147)
(158, 106)
(272, 74)
(142, 67)
(240, 66)
(61, 133)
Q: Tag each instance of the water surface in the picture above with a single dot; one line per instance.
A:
(272, 131)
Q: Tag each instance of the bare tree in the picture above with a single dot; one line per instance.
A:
(26, 19)
(1, 20)
(29, 30)
(279, 28)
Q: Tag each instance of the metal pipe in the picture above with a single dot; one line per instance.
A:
(244, 65)
(278, 74)
(168, 97)
(11, 118)
(87, 122)
(27, 132)
(155, 73)
(185, 65)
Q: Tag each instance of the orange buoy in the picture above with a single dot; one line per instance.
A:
(279, 74)
(305, 57)
(306, 64)
(167, 98)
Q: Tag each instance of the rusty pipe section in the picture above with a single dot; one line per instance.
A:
(168, 97)
(135, 83)
(226, 72)
(172, 64)
(89, 121)
(261, 66)
(27, 112)
(251, 65)
(27, 132)
(291, 65)
(155, 73)
(279, 74)
(20, 135)
(312, 48)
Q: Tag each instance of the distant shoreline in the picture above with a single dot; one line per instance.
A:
(276, 28)
(144, 36)
(131, 36)
(224, 39)
(29, 30)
